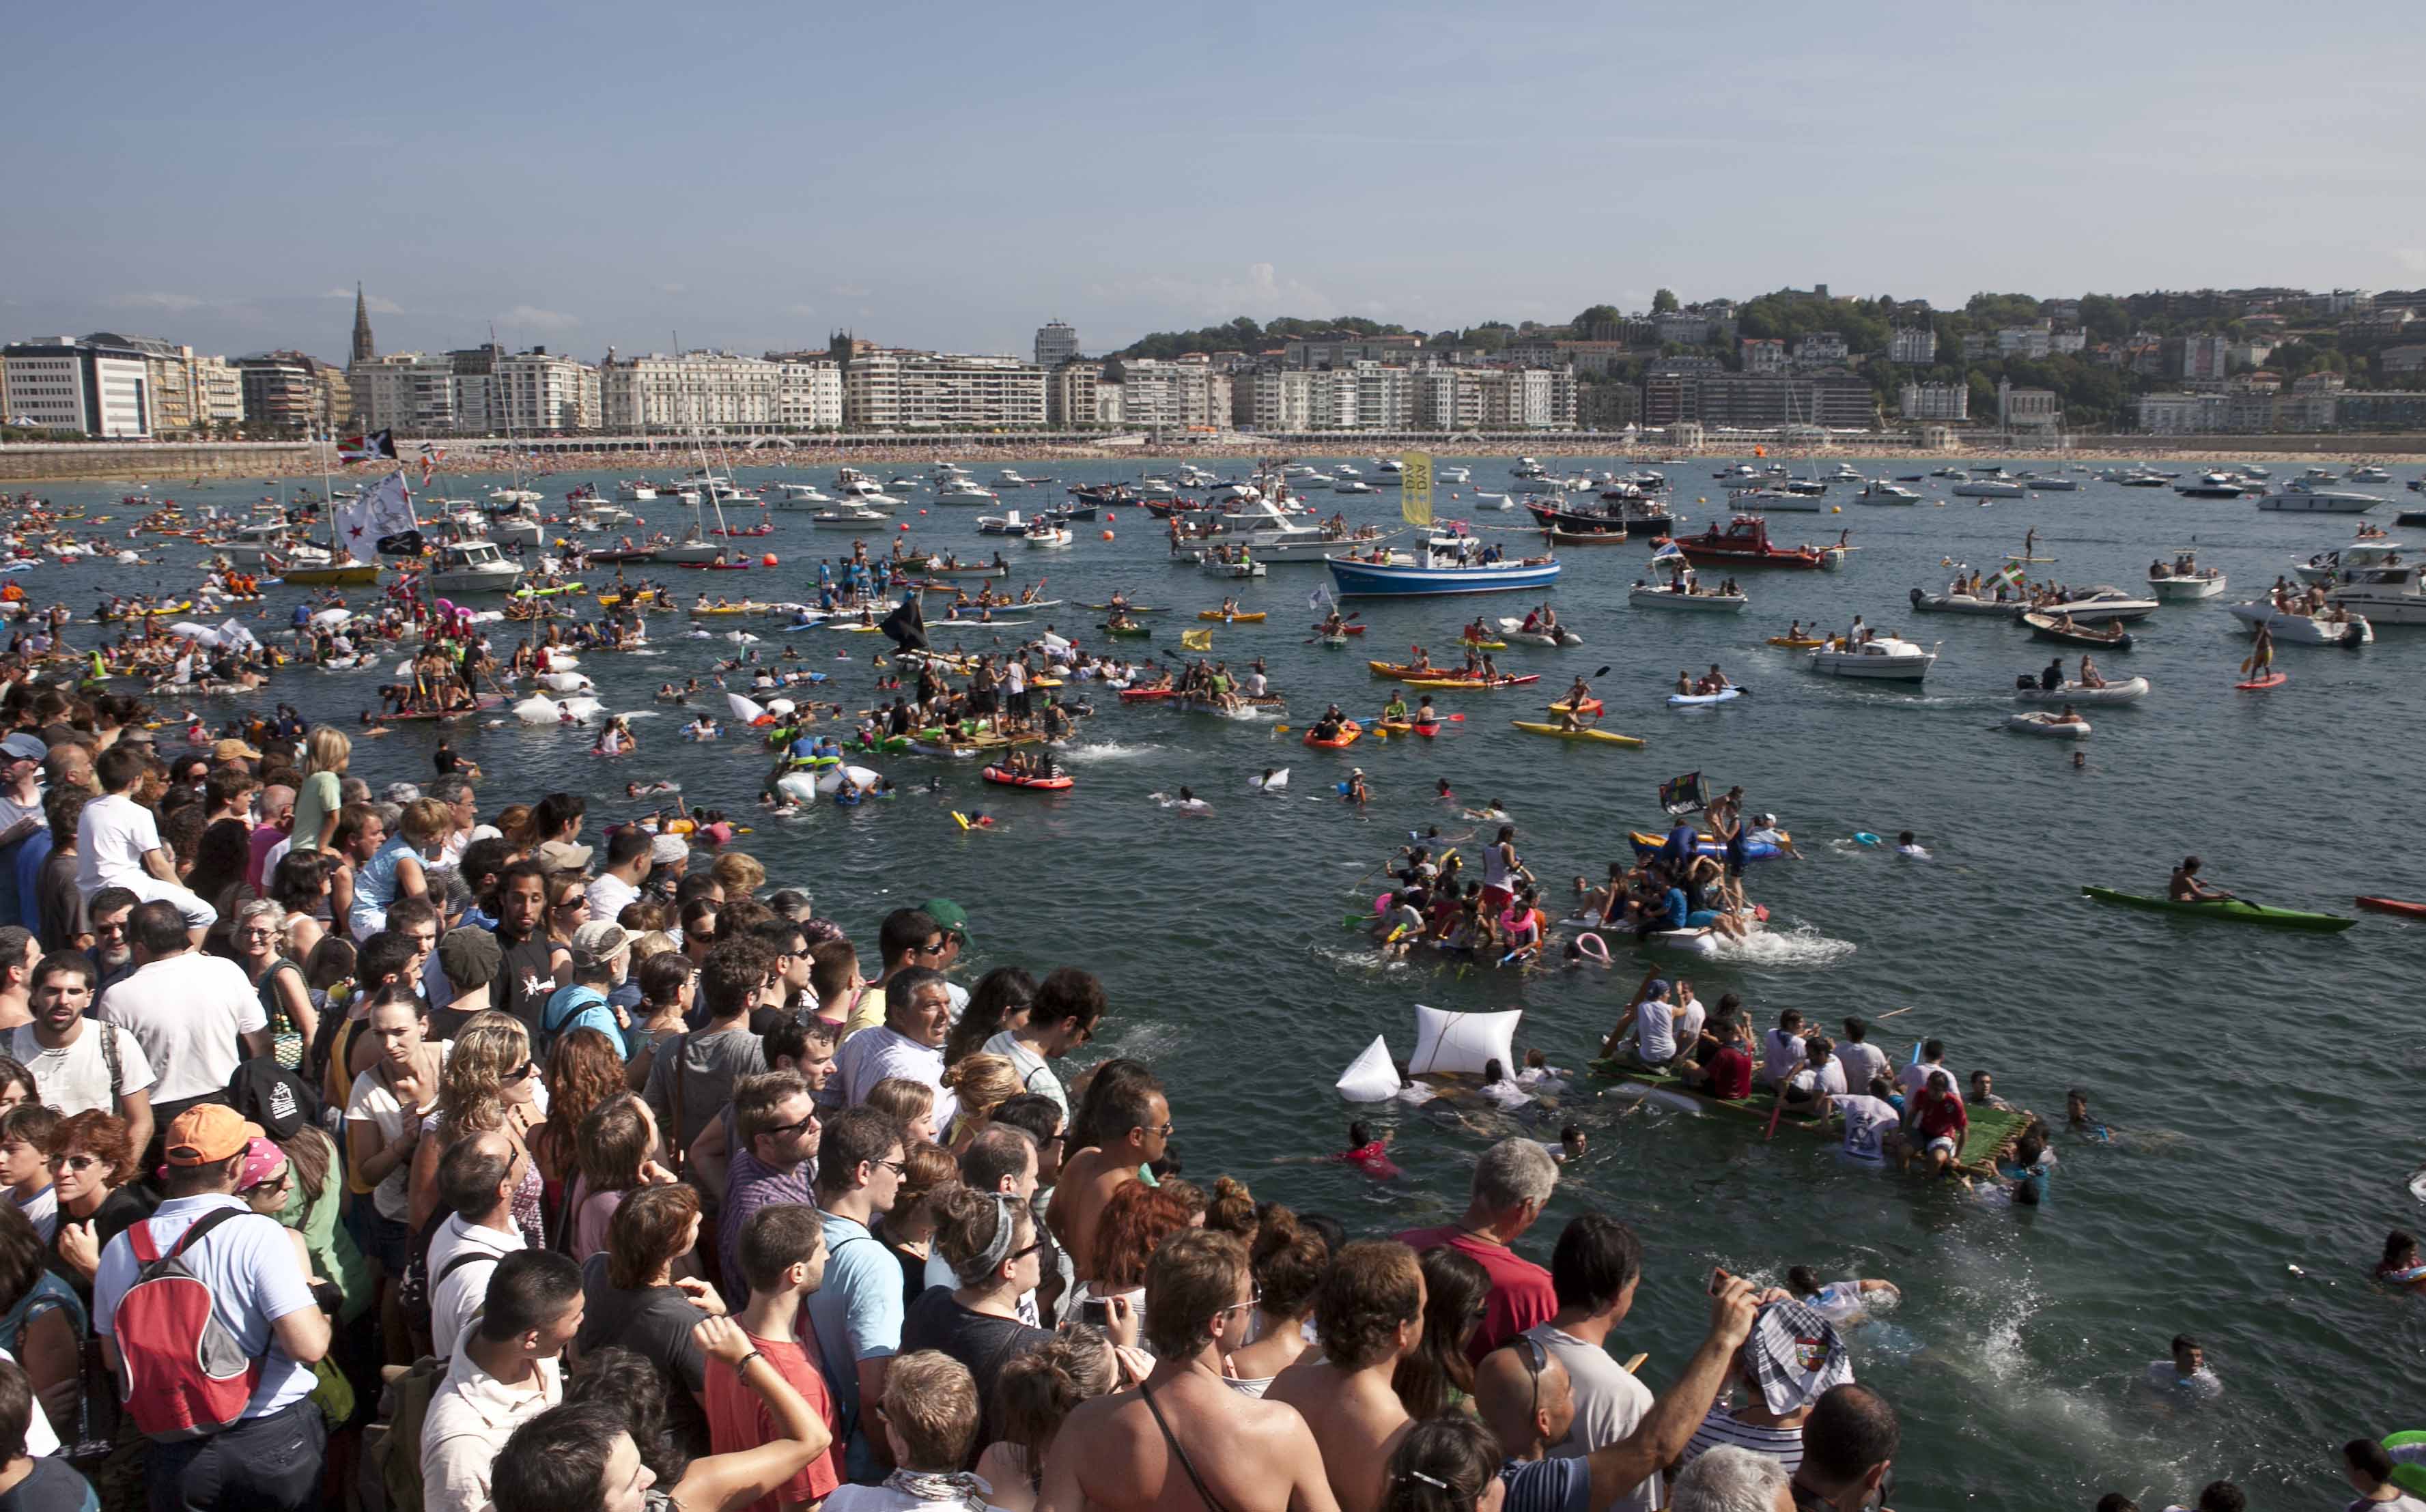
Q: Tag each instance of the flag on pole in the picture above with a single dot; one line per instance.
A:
(1321, 599)
(2013, 573)
(382, 510)
(363, 448)
(1684, 795)
(1416, 488)
(1668, 550)
(1196, 640)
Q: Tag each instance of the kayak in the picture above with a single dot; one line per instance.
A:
(1606, 736)
(2236, 910)
(1131, 609)
(1344, 630)
(1484, 645)
(1720, 697)
(2406, 911)
(1255, 618)
(1126, 632)
(1142, 694)
(1349, 731)
(1591, 706)
(1798, 642)
(1404, 670)
(2271, 679)
(1471, 682)
(1383, 729)
(1011, 778)
(1755, 850)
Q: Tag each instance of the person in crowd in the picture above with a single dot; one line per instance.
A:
(383, 1129)
(269, 1459)
(33, 1476)
(636, 1303)
(119, 845)
(978, 1085)
(43, 1322)
(775, 1121)
(1134, 1450)
(1132, 1128)
(906, 939)
(1067, 1013)
(1728, 1479)
(629, 853)
(857, 1313)
(1000, 1001)
(26, 1134)
(504, 1370)
(909, 1043)
(909, 1230)
(528, 979)
(1438, 1375)
(1288, 1262)
(196, 1016)
(693, 1075)
(783, 1258)
(489, 1082)
(93, 1162)
(1849, 1449)
(615, 1147)
(59, 903)
(326, 754)
(1369, 1311)
(668, 983)
(1036, 1392)
(908, 1103)
(256, 939)
(81, 1064)
(1511, 1184)
(1449, 1463)
(602, 957)
(1594, 1270)
(1133, 1226)
(582, 1454)
(477, 1177)
(992, 1240)
(583, 1072)
(1792, 1357)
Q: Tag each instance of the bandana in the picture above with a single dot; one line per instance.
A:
(1796, 1355)
(958, 1486)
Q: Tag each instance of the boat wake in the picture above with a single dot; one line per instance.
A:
(1111, 750)
(1802, 945)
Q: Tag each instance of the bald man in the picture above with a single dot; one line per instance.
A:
(1522, 1395)
(268, 833)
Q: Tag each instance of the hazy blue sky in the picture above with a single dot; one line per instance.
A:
(954, 174)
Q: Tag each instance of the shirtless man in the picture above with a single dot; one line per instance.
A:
(1136, 1125)
(2184, 885)
(1182, 1441)
(1370, 1315)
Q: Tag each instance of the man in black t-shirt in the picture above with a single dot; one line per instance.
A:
(525, 980)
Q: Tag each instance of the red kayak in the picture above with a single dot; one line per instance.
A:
(2407, 910)
(1345, 630)
(1142, 694)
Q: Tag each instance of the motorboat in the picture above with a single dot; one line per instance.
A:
(1886, 492)
(2327, 567)
(2100, 604)
(1006, 523)
(1774, 501)
(1049, 537)
(1846, 473)
(472, 567)
(1536, 484)
(1528, 467)
(1311, 480)
(901, 485)
(1387, 464)
(2064, 631)
(863, 491)
(2306, 496)
(1745, 543)
(2217, 485)
(1447, 563)
(804, 496)
(1952, 603)
(849, 516)
(2042, 484)
(1651, 596)
(1989, 487)
(1351, 485)
(2370, 473)
(1453, 474)
(2127, 691)
(962, 491)
(1621, 510)
(1882, 658)
(515, 524)
(1258, 526)
(635, 490)
(2336, 626)
(601, 516)
(1340, 469)
(2184, 579)
(516, 496)
(2253, 470)
(2144, 478)
(251, 545)
(1009, 479)
(2382, 588)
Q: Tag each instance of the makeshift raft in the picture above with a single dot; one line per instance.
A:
(1993, 1135)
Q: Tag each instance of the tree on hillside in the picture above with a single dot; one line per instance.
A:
(1664, 302)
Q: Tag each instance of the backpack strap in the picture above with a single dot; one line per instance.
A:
(681, 1149)
(109, 1058)
(148, 1252)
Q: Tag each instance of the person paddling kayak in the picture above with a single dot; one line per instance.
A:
(2184, 885)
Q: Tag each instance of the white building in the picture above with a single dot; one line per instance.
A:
(2182, 415)
(1914, 344)
(538, 392)
(891, 389)
(1185, 395)
(1762, 355)
(2027, 409)
(221, 390)
(1821, 348)
(98, 386)
(1057, 343)
(808, 391)
(1076, 397)
(707, 391)
(1934, 401)
(412, 394)
(2025, 340)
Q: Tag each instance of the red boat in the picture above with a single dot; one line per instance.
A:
(1745, 543)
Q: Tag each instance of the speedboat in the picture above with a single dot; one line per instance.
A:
(2217, 485)
(863, 490)
(1453, 474)
(1774, 501)
(961, 490)
(1886, 492)
(2327, 567)
(1009, 480)
(472, 567)
(1989, 487)
(1965, 603)
(635, 491)
(848, 517)
(2382, 589)
(2055, 485)
(1007, 524)
(2367, 474)
(1351, 485)
(2304, 495)
(2101, 604)
(802, 497)
(1049, 535)
(2336, 626)
(2185, 579)
(1845, 473)
(1645, 596)
(1884, 658)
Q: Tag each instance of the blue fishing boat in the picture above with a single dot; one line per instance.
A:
(1448, 564)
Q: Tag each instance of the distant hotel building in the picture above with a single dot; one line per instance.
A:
(1934, 401)
(1752, 401)
(1055, 344)
(703, 390)
(1185, 395)
(98, 386)
(887, 388)
(290, 393)
(1913, 346)
(1076, 397)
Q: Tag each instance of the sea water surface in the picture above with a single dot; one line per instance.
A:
(2264, 1088)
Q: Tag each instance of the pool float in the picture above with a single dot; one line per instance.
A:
(1010, 779)
(1349, 731)
(1678, 700)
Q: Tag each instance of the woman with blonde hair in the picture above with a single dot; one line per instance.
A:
(490, 1082)
(326, 754)
(739, 873)
(909, 1229)
(908, 1103)
(399, 867)
(982, 1083)
(1034, 1394)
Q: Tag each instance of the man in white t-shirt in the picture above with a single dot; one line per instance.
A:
(196, 1016)
(908, 1044)
(1913, 1078)
(1594, 1270)
(71, 1057)
(478, 1176)
(1871, 1123)
(1782, 1051)
(118, 843)
(618, 887)
(1068, 1010)
(1860, 1059)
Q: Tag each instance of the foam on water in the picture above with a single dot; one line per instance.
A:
(1802, 945)
(1110, 750)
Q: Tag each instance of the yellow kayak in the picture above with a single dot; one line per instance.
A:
(1798, 642)
(698, 609)
(1611, 737)
(1485, 644)
(1254, 618)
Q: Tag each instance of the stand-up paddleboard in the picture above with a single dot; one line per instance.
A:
(2271, 679)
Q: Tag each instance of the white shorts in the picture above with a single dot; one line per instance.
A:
(197, 914)
(1944, 1142)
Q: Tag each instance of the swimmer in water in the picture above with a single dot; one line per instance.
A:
(1842, 1303)
(1570, 1147)
(1440, 791)
(1365, 1152)
(2186, 1372)
(2075, 1115)
(1910, 848)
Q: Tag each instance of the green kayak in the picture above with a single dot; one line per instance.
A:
(2236, 910)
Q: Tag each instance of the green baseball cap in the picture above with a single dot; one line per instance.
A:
(950, 916)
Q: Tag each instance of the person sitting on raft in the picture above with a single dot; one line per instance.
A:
(1327, 728)
(1395, 712)
(1940, 1123)
(1727, 1074)
(2184, 885)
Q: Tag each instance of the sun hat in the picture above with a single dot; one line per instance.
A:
(599, 942)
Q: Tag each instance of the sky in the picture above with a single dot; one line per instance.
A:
(951, 175)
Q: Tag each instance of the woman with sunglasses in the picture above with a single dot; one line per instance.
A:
(568, 910)
(383, 1136)
(490, 1082)
(993, 1243)
(254, 942)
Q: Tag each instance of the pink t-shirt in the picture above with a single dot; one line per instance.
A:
(1521, 1296)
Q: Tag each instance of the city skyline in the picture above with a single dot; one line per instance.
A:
(954, 184)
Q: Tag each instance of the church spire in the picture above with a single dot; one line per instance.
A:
(364, 348)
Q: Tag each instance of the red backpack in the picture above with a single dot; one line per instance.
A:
(182, 1374)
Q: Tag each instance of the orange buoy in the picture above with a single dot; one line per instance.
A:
(903, 525)
(767, 560)
(1108, 534)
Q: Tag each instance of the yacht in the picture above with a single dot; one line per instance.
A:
(1453, 474)
(2216, 486)
(847, 517)
(2369, 474)
(2304, 495)
(802, 497)
(1771, 501)
(1989, 487)
(1352, 485)
(1386, 464)
(520, 495)
(635, 490)
(2051, 485)
(473, 565)
(1527, 467)
(963, 491)
(1886, 492)
(2375, 582)
(1269, 535)
(863, 490)
(2328, 567)
(1846, 473)
(1009, 480)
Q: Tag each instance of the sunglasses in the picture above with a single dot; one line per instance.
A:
(1536, 1359)
(529, 1068)
(796, 1127)
(73, 1163)
(935, 949)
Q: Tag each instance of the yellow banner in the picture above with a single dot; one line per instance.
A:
(1196, 640)
(1416, 487)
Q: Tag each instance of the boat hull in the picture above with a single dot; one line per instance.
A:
(2233, 911)
(1368, 580)
(1698, 603)
(2173, 588)
(2304, 630)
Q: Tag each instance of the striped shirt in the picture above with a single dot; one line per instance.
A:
(1784, 1445)
(1546, 1485)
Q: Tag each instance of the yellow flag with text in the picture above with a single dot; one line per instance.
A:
(1416, 487)
(1196, 640)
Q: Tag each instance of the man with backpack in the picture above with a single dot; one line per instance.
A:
(206, 1315)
